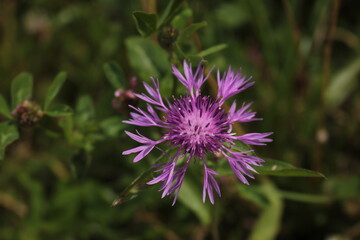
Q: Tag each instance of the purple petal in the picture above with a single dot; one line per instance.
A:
(143, 153)
(231, 84)
(241, 115)
(178, 180)
(238, 173)
(144, 119)
(241, 163)
(155, 95)
(210, 184)
(164, 175)
(171, 177)
(139, 138)
(191, 81)
(134, 150)
(215, 185)
(179, 76)
(145, 149)
(255, 138)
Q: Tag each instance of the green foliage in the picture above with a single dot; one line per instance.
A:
(4, 108)
(145, 23)
(147, 58)
(212, 50)
(112, 126)
(80, 129)
(8, 134)
(191, 198)
(21, 89)
(268, 224)
(115, 75)
(280, 168)
(187, 33)
(342, 85)
(26, 112)
(54, 89)
(59, 111)
(275, 168)
(172, 8)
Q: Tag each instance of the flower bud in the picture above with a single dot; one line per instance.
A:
(28, 113)
(167, 37)
(122, 100)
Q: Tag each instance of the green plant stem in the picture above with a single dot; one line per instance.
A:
(138, 180)
(148, 6)
(215, 222)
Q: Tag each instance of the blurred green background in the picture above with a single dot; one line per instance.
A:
(60, 178)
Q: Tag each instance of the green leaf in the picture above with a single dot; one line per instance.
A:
(188, 31)
(85, 110)
(147, 58)
(195, 59)
(268, 224)
(145, 23)
(212, 50)
(115, 75)
(252, 194)
(54, 89)
(112, 126)
(60, 110)
(342, 85)
(8, 134)
(4, 108)
(169, 12)
(181, 20)
(67, 124)
(273, 168)
(21, 88)
(279, 168)
(191, 198)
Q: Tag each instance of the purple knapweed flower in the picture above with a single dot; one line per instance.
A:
(196, 125)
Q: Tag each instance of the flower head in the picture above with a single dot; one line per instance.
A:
(28, 113)
(196, 125)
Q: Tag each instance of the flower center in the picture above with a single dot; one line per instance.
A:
(197, 125)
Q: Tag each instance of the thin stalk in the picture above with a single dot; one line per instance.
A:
(291, 20)
(139, 180)
(328, 46)
(319, 151)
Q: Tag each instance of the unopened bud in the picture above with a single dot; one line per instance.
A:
(28, 113)
(167, 37)
(123, 99)
(133, 83)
